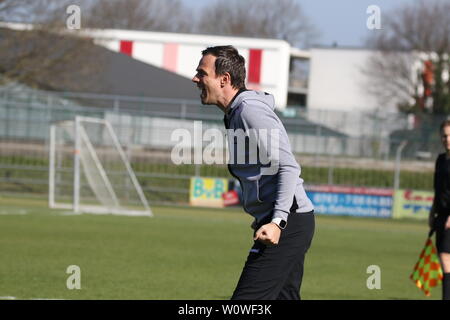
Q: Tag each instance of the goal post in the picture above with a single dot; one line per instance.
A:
(89, 171)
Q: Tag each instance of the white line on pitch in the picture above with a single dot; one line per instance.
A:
(14, 298)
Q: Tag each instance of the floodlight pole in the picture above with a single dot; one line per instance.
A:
(398, 155)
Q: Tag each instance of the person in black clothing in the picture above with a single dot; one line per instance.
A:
(439, 218)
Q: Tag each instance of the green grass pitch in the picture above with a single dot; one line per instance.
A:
(191, 253)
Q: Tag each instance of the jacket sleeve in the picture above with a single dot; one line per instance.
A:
(282, 161)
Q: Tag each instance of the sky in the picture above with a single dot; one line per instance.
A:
(343, 22)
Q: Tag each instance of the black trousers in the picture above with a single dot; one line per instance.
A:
(442, 235)
(276, 272)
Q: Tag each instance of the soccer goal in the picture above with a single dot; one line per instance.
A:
(89, 171)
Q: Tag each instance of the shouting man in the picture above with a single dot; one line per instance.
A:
(273, 191)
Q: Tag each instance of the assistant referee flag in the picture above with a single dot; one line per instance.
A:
(427, 272)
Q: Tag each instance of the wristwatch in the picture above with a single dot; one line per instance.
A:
(279, 222)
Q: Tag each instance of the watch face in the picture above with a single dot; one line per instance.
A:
(282, 224)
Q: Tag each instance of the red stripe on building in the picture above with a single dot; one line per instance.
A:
(126, 47)
(170, 57)
(254, 66)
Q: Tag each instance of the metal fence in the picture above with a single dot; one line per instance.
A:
(373, 158)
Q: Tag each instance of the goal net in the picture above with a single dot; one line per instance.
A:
(89, 170)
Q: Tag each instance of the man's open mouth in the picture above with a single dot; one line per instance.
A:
(202, 93)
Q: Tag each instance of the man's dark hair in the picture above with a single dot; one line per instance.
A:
(228, 60)
(445, 123)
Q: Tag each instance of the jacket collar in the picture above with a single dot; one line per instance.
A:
(230, 106)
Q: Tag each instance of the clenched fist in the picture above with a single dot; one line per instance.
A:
(268, 234)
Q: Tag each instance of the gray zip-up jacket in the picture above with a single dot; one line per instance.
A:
(271, 185)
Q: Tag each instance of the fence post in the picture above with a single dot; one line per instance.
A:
(398, 155)
(318, 136)
(183, 110)
(197, 170)
(116, 105)
(330, 169)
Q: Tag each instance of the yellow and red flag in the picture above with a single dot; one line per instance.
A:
(427, 272)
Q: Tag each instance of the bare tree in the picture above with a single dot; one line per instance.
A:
(44, 12)
(10, 9)
(45, 54)
(151, 15)
(412, 59)
(280, 19)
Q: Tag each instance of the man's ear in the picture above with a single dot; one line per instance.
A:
(225, 78)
